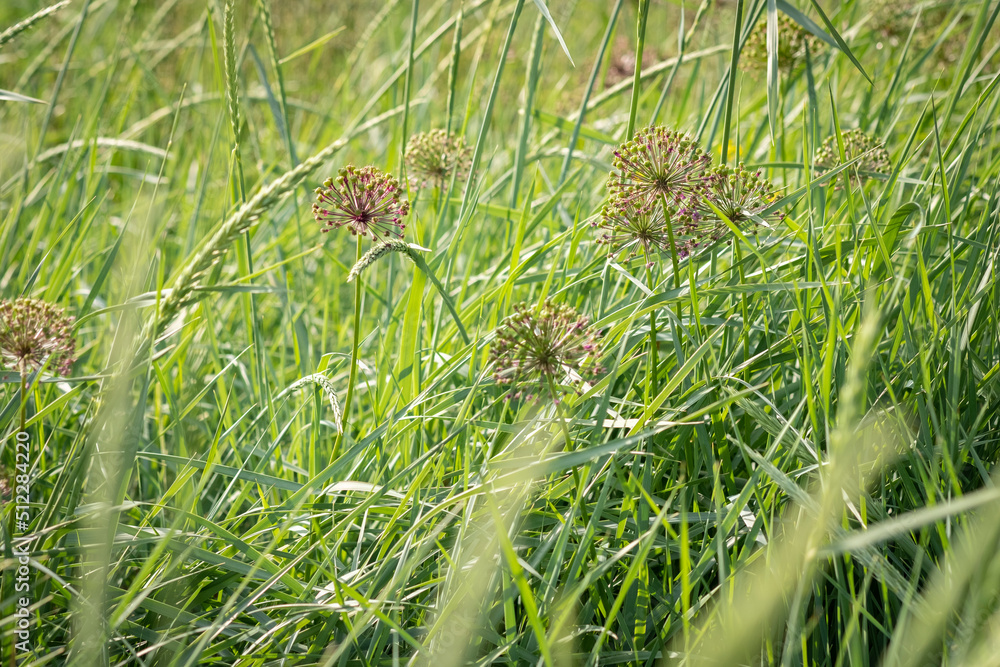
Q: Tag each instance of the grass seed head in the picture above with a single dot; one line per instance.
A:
(435, 156)
(366, 200)
(538, 345)
(379, 251)
(32, 331)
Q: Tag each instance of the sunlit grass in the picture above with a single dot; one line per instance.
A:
(787, 457)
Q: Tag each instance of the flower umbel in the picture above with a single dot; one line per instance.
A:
(634, 226)
(658, 162)
(32, 331)
(366, 200)
(874, 156)
(547, 344)
(434, 156)
(741, 195)
(792, 42)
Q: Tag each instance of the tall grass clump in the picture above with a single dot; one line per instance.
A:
(689, 355)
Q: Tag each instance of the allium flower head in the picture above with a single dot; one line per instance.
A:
(741, 195)
(634, 226)
(536, 345)
(366, 200)
(792, 41)
(658, 162)
(32, 331)
(893, 20)
(434, 156)
(874, 156)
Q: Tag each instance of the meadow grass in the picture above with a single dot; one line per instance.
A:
(787, 456)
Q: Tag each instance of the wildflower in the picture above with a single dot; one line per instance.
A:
(874, 156)
(638, 225)
(32, 331)
(434, 156)
(741, 195)
(893, 21)
(891, 18)
(548, 344)
(656, 163)
(366, 200)
(792, 42)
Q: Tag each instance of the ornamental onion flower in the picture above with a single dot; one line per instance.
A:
(435, 156)
(657, 163)
(874, 156)
(366, 200)
(743, 196)
(33, 331)
(893, 21)
(792, 42)
(537, 347)
(634, 226)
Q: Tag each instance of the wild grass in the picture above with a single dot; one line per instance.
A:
(800, 470)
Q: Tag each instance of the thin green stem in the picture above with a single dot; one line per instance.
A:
(731, 86)
(578, 126)
(564, 425)
(408, 83)
(673, 244)
(653, 351)
(353, 377)
(559, 412)
(639, 44)
(24, 401)
(676, 328)
(453, 70)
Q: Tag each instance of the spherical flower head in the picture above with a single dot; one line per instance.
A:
(891, 18)
(366, 200)
(539, 345)
(631, 227)
(792, 42)
(742, 195)
(32, 331)
(893, 21)
(658, 163)
(874, 156)
(435, 156)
